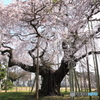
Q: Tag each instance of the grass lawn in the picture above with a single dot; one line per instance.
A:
(20, 95)
(27, 96)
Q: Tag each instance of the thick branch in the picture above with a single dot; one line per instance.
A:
(6, 46)
(62, 71)
(89, 53)
(94, 19)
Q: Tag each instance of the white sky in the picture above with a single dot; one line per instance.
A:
(6, 2)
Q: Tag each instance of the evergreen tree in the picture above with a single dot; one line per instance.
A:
(2, 72)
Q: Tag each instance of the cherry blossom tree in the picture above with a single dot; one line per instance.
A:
(52, 22)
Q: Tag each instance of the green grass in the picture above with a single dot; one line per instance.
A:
(13, 95)
(27, 96)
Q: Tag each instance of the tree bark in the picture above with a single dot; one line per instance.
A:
(49, 84)
(51, 79)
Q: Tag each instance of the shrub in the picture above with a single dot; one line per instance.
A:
(7, 84)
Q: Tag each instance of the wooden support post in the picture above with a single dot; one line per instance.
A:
(71, 80)
(37, 71)
(76, 80)
(88, 71)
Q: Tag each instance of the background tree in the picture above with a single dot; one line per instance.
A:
(2, 73)
(7, 84)
(17, 74)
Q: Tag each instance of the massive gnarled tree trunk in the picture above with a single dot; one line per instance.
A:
(52, 79)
